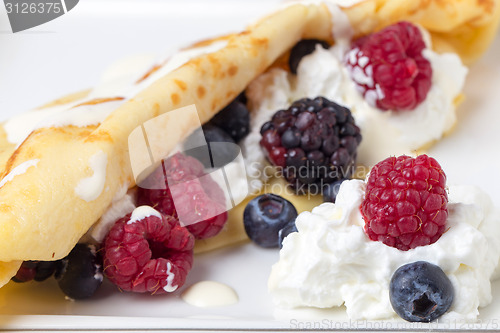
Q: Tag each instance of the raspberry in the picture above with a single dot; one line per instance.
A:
(148, 252)
(312, 142)
(389, 69)
(405, 202)
(201, 202)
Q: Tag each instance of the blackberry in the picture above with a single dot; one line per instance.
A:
(314, 141)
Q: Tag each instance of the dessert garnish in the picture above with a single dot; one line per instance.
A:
(420, 292)
(80, 273)
(314, 141)
(201, 202)
(148, 252)
(389, 68)
(405, 203)
(234, 119)
(266, 216)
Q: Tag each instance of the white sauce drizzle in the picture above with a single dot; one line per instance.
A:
(90, 188)
(19, 170)
(170, 278)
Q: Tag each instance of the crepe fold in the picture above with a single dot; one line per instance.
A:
(42, 212)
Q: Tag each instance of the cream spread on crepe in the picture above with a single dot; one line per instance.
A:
(330, 261)
(91, 187)
(18, 170)
(111, 86)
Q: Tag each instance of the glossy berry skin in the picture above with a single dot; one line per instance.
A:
(81, 272)
(216, 153)
(314, 142)
(201, 201)
(420, 292)
(389, 68)
(151, 255)
(303, 48)
(331, 190)
(265, 215)
(405, 203)
(234, 119)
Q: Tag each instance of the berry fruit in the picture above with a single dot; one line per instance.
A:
(201, 202)
(301, 49)
(234, 119)
(389, 68)
(420, 292)
(331, 190)
(36, 270)
(148, 252)
(405, 203)
(81, 272)
(287, 230)
(26, 272)
(314, 141)
(219, 151)
(264, 217)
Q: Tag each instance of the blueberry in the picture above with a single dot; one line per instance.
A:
(45, 269)
(219, 151)
(287, 230)
(301, 49)
(234, 119)
(331, 190)
(420, 292)
(265, 216)
(81, 272)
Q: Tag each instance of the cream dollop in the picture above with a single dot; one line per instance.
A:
(330, 261)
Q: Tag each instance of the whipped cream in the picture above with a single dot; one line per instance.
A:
(330, 261)
(385, 133)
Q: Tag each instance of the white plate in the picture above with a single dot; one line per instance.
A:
(69, 53)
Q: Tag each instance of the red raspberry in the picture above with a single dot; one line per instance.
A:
(153, 254)
(389, 69)
(405, 202)
(200, 200)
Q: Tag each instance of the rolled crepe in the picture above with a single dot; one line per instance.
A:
(60, 179)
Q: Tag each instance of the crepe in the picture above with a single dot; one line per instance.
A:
(63, 176)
